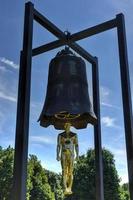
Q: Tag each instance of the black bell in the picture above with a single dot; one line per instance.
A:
(67, 98)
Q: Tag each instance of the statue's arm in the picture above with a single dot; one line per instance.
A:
(76, 147)
(58, 150)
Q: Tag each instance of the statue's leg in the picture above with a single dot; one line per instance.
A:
(70, 174)
(64, 171)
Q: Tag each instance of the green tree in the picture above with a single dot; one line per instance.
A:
(45, 185)
(124, 192)
(6, 172)
(37, 184)
(111, 179)
(37, 181)
(55, 181)
(84, 177)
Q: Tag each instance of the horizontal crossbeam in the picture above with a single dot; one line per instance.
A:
(47, 47)
(62, 39)
(94, 30)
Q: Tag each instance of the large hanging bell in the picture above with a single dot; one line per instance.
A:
(67, 98)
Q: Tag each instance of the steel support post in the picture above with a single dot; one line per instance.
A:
(97, 133)
(126, 97)
(22, 121)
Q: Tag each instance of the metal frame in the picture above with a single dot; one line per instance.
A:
(22, 124)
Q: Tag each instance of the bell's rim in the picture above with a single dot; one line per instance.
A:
(79, 123)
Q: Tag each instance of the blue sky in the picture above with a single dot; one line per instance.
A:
(73, 16)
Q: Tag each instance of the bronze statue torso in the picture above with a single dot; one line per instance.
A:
(68, 141)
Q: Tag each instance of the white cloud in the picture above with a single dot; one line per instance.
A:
(104, 92)
(8, 84)
(109, 105)
(108, 121)
(9, 62)
(104, 96)
(42, 139)
(7, 97)
(4, 69)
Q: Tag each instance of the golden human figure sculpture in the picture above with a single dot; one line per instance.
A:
(67, 147)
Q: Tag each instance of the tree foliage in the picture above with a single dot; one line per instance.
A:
(55, 181)
(45, 185)
(6, 172)
(37, 183)
(38, 187)
(84, 177)
(124, 191)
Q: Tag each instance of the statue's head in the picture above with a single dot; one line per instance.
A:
(67, 126)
